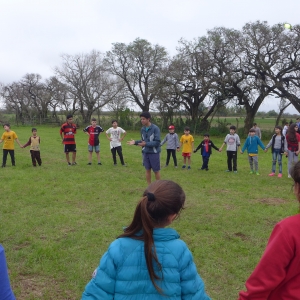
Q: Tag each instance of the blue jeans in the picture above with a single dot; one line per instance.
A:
(276, 155)
(205, 160)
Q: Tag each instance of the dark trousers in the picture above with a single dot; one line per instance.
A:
(173, 152)
(35, 157)
(118, 150)
(231, 160)
(12, 156)
(205, 160)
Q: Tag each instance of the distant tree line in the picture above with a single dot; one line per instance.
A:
(226, 67)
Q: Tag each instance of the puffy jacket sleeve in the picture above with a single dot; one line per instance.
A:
(192, 286)
(102, 286)
(156, 139)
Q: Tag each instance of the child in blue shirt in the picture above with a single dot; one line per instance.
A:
(206, 146)
(251, 144)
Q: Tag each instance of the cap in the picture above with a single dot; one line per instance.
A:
(171, 127)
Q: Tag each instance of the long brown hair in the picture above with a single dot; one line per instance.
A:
(161, 199)
(291, 133)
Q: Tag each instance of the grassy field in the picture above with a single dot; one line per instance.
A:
(57, 221)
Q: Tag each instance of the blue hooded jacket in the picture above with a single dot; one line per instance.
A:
(123, 274)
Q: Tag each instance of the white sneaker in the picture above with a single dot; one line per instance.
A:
(289, 176)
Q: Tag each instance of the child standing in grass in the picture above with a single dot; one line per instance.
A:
(9, 137)
(205, 147)
(251, 144)
(279, 146)
(172, 145)
(149, 261)
(187, 144)
(115, 139)
(277, 275)
(93, 131)
(34, 142)
(293, 145)
(232, 140)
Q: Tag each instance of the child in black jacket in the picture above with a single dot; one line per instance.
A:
(206, 146)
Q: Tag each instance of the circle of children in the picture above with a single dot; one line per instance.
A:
(150, 261)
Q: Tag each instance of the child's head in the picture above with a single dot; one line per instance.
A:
(171, 128)
(160, 204)
(206, 136)
(34, 131)
(94, 122)
(6, 127)
(187, 130)
(278, 129)
(254, 125)
(70, 119)
(114, 123)
(252, 132)
(232, 129)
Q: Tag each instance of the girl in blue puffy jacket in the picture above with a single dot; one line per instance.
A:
(149, 261)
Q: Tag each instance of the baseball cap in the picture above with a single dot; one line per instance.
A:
(171, 127)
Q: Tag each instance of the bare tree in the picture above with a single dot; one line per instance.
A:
(140, 66)
(89, 83)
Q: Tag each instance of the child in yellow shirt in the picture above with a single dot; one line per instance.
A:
(187, 144)
(8, 138)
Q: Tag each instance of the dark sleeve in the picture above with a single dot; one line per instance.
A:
(213, 145)
(28, 143)
(199, 146)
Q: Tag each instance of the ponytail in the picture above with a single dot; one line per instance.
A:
(161, 199)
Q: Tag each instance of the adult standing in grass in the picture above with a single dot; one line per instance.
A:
(115, 139)
(150, 143)
(293, 145)
(149, 261)
(6, 292)
(8, 138)
(67, 133)
(257, 130)
(93, 131)
(277, 275)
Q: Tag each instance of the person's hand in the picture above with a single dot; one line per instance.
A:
(178, 149)
(142, 144)
(131, 142)
(241, 152)
(194, 151)
(266, 150)
(220, 150)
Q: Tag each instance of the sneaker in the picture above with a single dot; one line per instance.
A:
(99, 163)
(165, 166)
(69, 164)
(89, 163)
(279, 175)
(257, 173)
(189, 167)
(206, 169)
(115, 165)
(74, 163)
(234, 171)
(251, 172)
(124, 165)
(3, 166)
(13, 165)
(289, 176)
(183, 167)
(228, 171)
(200, 169)
(272, 174)
(176, 167)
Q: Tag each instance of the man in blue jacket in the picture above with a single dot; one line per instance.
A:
(150, 143)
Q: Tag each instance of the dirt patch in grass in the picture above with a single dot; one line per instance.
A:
(33, 287)
(272, 201)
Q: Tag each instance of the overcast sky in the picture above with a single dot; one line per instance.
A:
(35, 33)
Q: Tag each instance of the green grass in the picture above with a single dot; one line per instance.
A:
(57, 221)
